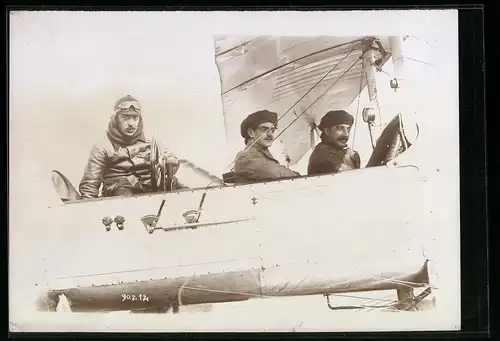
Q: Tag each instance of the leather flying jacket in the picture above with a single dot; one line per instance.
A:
(110, 164)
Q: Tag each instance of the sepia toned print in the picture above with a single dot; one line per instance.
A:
(149, 231)
(308, 70)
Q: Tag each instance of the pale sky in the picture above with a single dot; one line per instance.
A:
(73, 67)
(68, 68)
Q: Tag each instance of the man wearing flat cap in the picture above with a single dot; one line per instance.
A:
(256, 162)
(332, 155)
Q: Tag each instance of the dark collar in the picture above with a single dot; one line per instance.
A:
(334, 147)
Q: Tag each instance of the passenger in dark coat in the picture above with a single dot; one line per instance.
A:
(256, 162)
(332, 155)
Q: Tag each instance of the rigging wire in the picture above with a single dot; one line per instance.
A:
(302, 97)
(324, 93)
(270, 296)
(391, 302)
(320, 80)
(419, 61)
(404, 57)
(361, 41)
(417, 38)
(406, 283)
(236, 47)
(386, 299)
(357, 109)
(386, 73)
(394, 302)
(311, 89)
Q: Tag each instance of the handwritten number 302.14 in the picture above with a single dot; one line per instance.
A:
(140, 297)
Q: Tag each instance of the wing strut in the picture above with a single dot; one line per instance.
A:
(371, 84)
(408, 303)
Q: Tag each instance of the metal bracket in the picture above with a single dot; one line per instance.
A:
(345, 307)
(412, 301)
(408, 303)
(119, 220)
(149, 222)
(107, 221)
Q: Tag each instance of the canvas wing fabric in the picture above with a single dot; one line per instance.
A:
(304, 76)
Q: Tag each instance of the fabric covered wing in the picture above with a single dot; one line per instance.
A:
(295, 74)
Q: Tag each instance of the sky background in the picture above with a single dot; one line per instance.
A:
(67, 72)
(68, 68)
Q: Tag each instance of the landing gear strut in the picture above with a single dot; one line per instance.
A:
(406, 301)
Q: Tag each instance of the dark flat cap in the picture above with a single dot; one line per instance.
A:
(335, 117)
(254, 120)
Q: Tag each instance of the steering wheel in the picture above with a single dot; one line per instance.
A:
(161, 172)
(157, 167)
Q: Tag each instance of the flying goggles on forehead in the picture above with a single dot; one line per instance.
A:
(128, 106)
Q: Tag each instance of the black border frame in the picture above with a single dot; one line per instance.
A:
(473, 179)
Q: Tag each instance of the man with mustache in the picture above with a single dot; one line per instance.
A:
(256, 163)
(332, 155)
(120, 161)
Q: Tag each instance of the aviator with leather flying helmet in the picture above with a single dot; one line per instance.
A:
(123, 161)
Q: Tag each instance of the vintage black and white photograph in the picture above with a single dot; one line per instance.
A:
(234, 171)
